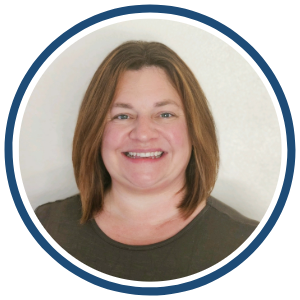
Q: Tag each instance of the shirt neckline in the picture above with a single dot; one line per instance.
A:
(183, 231)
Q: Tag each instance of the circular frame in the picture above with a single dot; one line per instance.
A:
(290, 138)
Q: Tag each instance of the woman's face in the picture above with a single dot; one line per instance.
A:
(146, 144)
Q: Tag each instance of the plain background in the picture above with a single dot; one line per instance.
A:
(247, 126)
(270, 271)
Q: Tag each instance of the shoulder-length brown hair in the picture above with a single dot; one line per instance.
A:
(92, 178)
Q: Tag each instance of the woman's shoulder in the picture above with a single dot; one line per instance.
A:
(64, 210)
(228, 213)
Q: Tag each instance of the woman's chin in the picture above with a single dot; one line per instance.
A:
(146, 184)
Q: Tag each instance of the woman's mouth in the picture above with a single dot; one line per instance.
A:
(137, 155)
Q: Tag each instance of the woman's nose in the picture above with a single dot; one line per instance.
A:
(143, 130)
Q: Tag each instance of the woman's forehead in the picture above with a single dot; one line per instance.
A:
(144, 85)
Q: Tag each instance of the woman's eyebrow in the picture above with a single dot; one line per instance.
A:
(165, 102)
(123, 105)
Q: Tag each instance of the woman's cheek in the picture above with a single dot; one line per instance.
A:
(178, 135)
(112, 134)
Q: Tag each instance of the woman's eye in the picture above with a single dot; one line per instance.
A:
(166, 115)
(122, 117)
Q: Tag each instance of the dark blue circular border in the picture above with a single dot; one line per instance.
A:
(289, 136)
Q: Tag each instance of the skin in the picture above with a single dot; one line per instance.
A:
(147, 116)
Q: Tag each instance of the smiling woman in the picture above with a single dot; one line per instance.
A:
(145, 159)
(150, 127)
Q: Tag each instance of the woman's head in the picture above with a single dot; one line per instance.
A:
(146, 146)
(127, 63)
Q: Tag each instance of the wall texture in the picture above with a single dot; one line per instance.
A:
(248, 129)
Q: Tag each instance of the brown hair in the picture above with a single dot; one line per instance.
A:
(92, 178)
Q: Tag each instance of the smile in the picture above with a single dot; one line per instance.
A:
(156, 154)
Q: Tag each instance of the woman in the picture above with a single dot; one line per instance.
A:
(145, 159)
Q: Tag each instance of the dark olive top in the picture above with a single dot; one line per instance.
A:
(211, 236)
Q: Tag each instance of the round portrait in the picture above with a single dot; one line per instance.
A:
(150, 150)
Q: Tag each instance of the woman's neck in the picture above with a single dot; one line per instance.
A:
(153, 208)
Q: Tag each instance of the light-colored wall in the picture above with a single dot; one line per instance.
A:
(248, 129)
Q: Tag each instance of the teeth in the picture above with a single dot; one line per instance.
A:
(156, 154)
